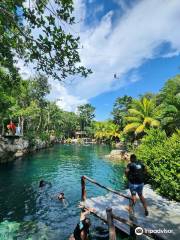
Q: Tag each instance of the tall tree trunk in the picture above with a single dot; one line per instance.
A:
(22, 125)
(2, 133)
(39, 124)
(48, 120)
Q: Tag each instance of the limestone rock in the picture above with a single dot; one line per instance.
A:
(118, 155)
(12, 148)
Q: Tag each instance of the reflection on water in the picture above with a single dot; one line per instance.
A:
(27, 212)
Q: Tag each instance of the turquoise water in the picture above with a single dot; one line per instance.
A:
(26, 212)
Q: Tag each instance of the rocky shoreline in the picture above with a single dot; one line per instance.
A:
(118, 155)
(13, 148)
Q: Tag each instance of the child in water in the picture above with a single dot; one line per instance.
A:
(62, 198)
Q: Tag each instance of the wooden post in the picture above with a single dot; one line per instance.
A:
(131, 218)
(83, 188)
(112, 230)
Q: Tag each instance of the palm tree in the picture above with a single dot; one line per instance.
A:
(142, 115)
(106, 131)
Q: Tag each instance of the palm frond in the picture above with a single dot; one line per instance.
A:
(132, 119)
(131, 127)
(134, 112)
(147, 121)
(155, 123)
(140, 129)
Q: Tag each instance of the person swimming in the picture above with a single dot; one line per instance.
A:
(42, 183)
(62, 198)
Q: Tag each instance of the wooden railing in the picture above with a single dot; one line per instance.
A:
(111, 217)
(83, 184)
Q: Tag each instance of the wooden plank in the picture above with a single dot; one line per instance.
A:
(163, 214)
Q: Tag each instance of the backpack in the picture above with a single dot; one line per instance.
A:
(136, 173)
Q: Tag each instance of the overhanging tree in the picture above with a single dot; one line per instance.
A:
(37, 31)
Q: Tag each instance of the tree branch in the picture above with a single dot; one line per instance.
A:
(4, 11)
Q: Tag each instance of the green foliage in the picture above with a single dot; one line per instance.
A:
(142, 115)
(80, 141)
(120, 109)
(90, 130)
(69, 123)
(53, 49)
(26, 104)
(148, 95)
(8, 89)
(161, 155)
(169, 100)
(106, 131)
(44, 136)
(30, 136)
(69, 141)
(86, 115)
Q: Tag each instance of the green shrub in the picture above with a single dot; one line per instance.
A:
(30, 136)
(69, 141)
(161, 155)
(44, 136)
(80, 141)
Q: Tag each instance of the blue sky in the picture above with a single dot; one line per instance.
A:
(153, 75)
(159, 59)
(138, 40)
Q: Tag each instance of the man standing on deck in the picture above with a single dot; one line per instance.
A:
(135, 172)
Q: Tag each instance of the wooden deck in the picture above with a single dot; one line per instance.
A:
(163, 214)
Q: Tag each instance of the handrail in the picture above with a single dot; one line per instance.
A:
(107, 188)
(109, 213)
(111, 216)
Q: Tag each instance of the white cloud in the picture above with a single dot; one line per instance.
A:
(109, 49)
(63, 99)
(26, 71)
(120, 48)
(123, 4)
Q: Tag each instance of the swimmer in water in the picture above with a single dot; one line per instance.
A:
(42, 183)
(62, 199)
(61, 196)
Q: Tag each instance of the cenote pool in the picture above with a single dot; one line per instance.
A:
(26, 212)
